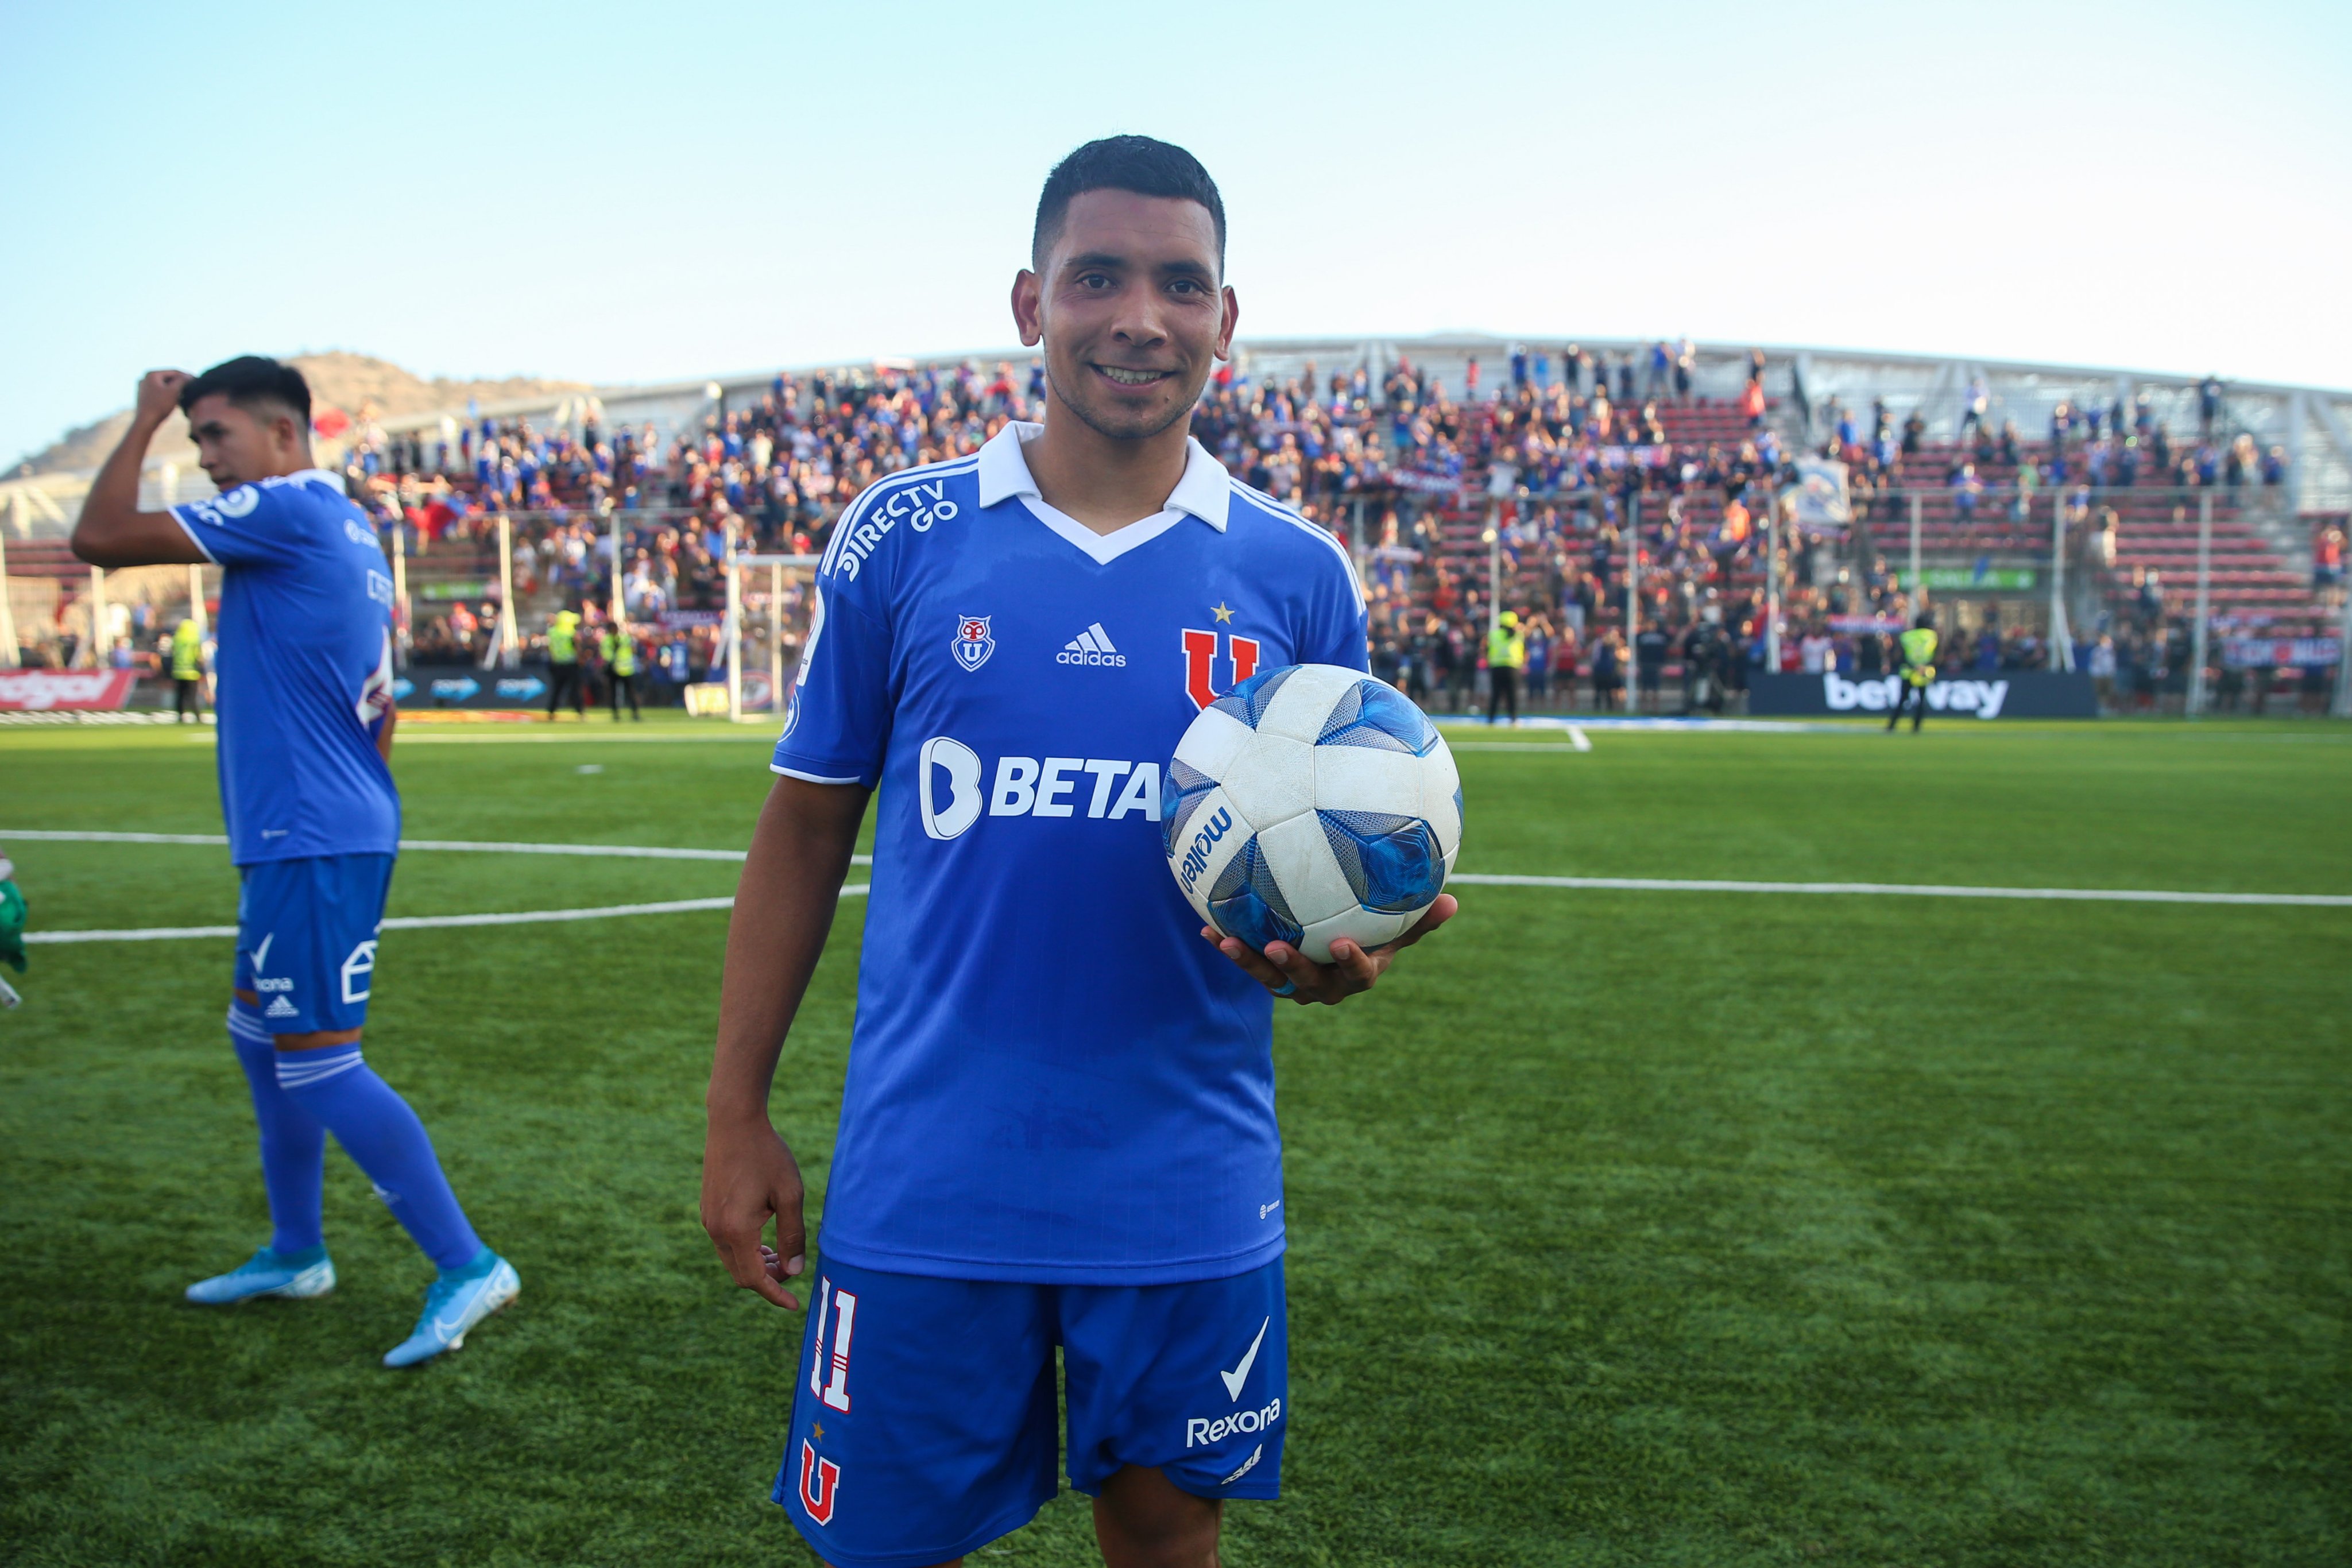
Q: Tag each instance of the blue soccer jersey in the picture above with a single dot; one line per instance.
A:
(1052, 1078)
(305, 668)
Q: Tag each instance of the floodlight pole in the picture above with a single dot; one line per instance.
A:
(10, 655)
(97, 618)
(509, 633)
(1632, 586)
(2204, 585)
(612, 531)
(1918, 602)
(1494, 565)
(2342, 706)
(401, 638)
(775, 638)
(2061, 633)
(733, 634)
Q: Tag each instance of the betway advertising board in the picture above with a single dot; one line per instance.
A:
(2006, 694)
(40, 690)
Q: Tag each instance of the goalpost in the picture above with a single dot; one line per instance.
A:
(768, 622)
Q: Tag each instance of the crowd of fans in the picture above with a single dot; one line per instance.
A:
(1599, 498)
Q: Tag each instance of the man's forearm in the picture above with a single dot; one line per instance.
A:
(783, 911)
(113, 494)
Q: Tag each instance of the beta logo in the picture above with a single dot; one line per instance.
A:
(948, 786)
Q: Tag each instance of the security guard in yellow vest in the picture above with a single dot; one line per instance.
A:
(1918, 669)
(188, 672)
(620, 655)
(1507, 655)
(563, 662)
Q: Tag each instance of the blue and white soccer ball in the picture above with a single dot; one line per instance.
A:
(1310, 803)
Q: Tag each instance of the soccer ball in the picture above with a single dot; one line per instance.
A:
(1308, 803)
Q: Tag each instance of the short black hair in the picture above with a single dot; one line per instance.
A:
(251, 379)
(1137, 163)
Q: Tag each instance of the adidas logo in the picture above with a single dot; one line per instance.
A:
(1091, 646)
(281, 1008)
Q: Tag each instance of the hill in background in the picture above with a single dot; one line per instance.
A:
(340, 379)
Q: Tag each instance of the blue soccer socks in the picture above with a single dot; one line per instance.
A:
(268, 1273)
(454, 1302)
(375, 1126)
(293, 1143)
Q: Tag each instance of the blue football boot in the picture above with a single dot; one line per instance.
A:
(454, 1303)
(297, 1276)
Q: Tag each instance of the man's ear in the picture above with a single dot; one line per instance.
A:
(1029, 308)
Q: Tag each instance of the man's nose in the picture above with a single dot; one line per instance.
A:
(1139, 323)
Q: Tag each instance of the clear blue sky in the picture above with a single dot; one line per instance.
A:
(654, 191)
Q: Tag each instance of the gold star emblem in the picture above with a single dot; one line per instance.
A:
(816, 1430)
(1222, 613)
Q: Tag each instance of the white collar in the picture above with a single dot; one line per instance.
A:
(1205, 491)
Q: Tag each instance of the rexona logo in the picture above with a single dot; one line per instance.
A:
(1199, 1429)
(1091, 646)
(949, 775)
(1982, 698)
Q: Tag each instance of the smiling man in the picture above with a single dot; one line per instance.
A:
(1058, 1126)
(306, 720)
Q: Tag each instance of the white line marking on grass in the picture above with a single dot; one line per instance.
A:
(421, 922)
(1901, 889)
(472, 846)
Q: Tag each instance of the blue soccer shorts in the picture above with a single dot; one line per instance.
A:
(923, 1412)
(306, 934)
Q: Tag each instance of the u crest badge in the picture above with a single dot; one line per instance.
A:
(820, 1479)
(972, 643)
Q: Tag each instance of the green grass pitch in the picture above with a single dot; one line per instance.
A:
(1627, 1227)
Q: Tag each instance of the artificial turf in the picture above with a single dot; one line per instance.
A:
(1626, 1227)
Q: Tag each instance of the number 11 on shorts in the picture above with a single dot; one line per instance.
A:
(842, 1305)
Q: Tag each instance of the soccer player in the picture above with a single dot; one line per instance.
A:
(305, 721)
(1058, 1127)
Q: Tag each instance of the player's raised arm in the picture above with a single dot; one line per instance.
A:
(783, 910)
(112, 531)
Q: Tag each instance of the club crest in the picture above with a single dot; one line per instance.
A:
(972, 643)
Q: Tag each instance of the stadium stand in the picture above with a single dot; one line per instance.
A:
(1461, 472)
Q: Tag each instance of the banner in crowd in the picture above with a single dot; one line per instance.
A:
(1822, 498)
(1427, 483)
(39, 691)
(2005, 693)
(460, 589)
(462, 688)
(1978, 577)
(683, 620)
(2282, 652)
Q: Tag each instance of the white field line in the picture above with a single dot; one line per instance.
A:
(565, 735)
(1470, 879)
(1905, 889)
(421, 922)
(618, 852)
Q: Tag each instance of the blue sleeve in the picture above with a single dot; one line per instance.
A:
(837, 725)
(250, 525)
(1337, 631)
